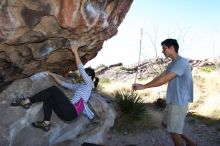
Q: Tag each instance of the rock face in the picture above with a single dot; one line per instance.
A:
(15, 123)
(34, 35)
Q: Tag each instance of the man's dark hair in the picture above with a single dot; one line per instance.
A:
(171, 42)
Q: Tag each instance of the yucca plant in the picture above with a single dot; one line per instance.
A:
(131, 104)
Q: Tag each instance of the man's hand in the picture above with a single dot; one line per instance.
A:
(137, 86)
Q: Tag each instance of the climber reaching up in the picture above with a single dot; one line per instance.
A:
(55, 100)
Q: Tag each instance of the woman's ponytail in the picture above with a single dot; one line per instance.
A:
(91, 72)
(96, 82)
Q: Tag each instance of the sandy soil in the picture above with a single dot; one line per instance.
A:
(204, 135)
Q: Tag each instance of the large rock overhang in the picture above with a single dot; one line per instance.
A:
(34, 35)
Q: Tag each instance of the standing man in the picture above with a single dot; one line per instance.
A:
(179, 91)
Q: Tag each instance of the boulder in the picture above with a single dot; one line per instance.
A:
(15, 123)
(35, 35)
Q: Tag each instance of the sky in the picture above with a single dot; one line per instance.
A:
(194, 23)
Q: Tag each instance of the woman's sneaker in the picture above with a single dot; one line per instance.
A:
(21, 102)
(42, 125)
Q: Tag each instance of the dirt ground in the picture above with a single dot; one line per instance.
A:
(196, 129)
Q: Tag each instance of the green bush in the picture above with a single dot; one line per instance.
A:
(208, 68)
(131, 104)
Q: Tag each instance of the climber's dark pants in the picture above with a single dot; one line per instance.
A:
(54, 99)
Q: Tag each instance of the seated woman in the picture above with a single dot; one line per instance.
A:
(54, 99)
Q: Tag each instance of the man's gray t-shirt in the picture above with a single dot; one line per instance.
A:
(180, 88)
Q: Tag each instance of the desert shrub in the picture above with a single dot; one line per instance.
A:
(104, 80)
(141, 78)
(123, 68)
(129, 69)
(208, 68)
(131, 104)
(132, 111)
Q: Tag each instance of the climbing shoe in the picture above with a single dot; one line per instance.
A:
(21, 102)
(42, 125)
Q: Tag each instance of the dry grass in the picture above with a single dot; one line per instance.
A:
(206, 92)
(149, 95)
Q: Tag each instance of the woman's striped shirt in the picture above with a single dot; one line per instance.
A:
(82, 90)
